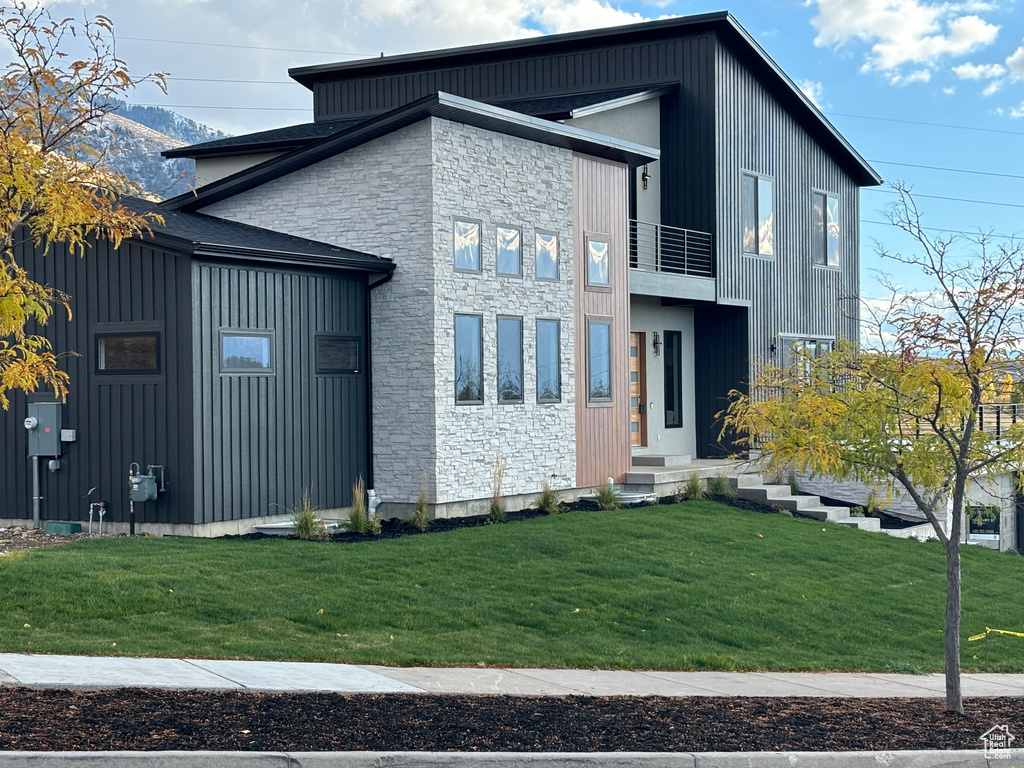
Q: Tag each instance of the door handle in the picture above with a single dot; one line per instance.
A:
(641, 408)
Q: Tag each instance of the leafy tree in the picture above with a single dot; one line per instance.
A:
(54, 186)
(904, 410)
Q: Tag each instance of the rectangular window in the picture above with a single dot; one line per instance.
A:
(757, 218)
(128, 353)
(547, 256)
(467, 245)
(549, 368)
(673, 379)
(826, 230)
(598, 262)
(246, 352)
(336, 354)
(599, 355)
(510, 360)
(469, 359)
(797, 353)
(510, 251)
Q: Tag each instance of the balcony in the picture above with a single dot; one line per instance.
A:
(670, 262)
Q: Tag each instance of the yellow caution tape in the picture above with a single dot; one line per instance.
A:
(988, 630)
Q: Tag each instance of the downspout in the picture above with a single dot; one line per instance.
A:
(370, 285)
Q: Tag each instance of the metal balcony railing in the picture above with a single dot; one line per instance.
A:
(659, 248)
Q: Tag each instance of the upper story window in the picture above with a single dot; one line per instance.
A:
(826, 229)
(467, 245)
(510, 251)
(547, 256)
(128, 353)
(598, 261)
(757, 215)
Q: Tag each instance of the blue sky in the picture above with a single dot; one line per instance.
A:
(890, 74)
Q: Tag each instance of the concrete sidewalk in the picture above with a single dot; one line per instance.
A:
(86, 672)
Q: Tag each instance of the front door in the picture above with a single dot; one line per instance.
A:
(637, 388)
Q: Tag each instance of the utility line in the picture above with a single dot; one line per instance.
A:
(218, 80)
(950, 170)
(948, 231)
(942, 197)
(920, 122)
(247, 47)
(210, 106)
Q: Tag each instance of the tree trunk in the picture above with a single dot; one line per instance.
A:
(954, 696)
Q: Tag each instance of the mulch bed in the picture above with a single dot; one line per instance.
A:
(130, 719)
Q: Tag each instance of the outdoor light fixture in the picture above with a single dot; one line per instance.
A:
(772, 348)
(645, 176)
(657, 344)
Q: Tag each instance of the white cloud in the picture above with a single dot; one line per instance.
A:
(1016, 111)
(949, 90)
(979, 71)
(1015, 63)
(812, 89)
(992, 87)
(917, 76)
(578, 14)
(903, 32)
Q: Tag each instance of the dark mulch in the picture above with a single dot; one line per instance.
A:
(132, 719)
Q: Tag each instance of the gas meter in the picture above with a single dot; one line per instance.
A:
(141, 487)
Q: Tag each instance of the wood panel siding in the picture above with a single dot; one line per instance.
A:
(262, 439)
(787, 293)
(600, 205)
(118, 419)
(504, 77)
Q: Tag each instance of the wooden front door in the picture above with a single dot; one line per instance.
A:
(637, 388)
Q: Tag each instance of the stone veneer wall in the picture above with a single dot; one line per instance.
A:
(397, 197)
(501, 179)
(375, 198)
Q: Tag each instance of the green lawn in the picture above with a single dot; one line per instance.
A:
(689, 586)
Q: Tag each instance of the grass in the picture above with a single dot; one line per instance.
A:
(687, 586)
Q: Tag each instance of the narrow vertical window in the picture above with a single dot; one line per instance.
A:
(756, 215)
(467, 245)
(598, 262)
(826, 229)
(547, 256)
(549, 369)
(469, 359)
(673, 379)
(599, 356)
(510, 251)
(510, 360)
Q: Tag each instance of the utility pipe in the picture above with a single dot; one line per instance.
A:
(36, 497)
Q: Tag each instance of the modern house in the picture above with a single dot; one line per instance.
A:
(580, 244)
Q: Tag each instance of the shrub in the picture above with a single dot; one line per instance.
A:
(306, 521)
(548, 502)
(496, 510)
(420, 516)
(719, 486)
(358, 520)
(607, 497)
(692, 489)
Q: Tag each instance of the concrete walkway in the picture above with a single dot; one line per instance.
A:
(85, 672)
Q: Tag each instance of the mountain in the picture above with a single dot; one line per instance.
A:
(136, 136)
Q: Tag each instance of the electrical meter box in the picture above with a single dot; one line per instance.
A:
(142, 488)
(44, 426)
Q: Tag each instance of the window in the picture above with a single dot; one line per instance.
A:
(797, 353)
(549, 368)
(547, 256)
(128, 353)
(599, 356)
(467, 245)
(757, 219)
(336, 354)
(242, 352)
(673, 379)
(510, 251)
(826, 230)
(469, 359)
(598, 266)
(510, 360)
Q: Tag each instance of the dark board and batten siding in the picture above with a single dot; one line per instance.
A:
(262, 439)
(118, 419)
(786, 294)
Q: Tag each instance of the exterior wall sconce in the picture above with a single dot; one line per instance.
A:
(645, 177)
(657, 344)
(772, 348)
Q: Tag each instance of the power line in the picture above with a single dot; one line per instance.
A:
(952, 199)
(942, 229)
(208, 106)
(951, 170)
(218, 80)
(935, 125)
(247, 47)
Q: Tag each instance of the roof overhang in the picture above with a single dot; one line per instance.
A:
(441, 105)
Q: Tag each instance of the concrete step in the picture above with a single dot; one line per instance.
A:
(764, 494)
(661, 461)
(823, 512)
(746, 480)
(863, 523)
